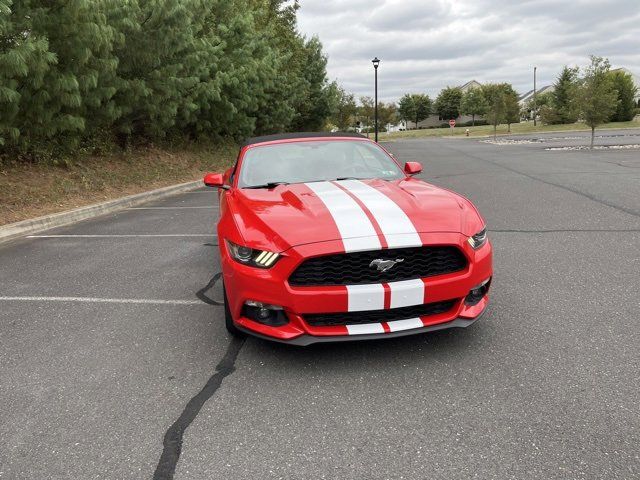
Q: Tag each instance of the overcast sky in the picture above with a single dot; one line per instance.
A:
(426, 45)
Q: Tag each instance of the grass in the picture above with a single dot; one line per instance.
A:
(32, 190)
(487, 130)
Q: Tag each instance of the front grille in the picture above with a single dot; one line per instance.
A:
(353, 268)
(376, 316)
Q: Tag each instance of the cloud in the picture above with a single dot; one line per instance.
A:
(427, 45)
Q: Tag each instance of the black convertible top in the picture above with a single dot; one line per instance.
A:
(287, 136)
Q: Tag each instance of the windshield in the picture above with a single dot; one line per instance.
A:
(314, 161)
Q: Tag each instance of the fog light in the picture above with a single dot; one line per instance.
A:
(477, 293)
(265, 313)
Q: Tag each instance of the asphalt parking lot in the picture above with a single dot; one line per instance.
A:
(113, 347)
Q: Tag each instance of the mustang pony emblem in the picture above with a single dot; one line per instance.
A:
(384, 265)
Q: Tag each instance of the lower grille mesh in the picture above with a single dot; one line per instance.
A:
(377, 316)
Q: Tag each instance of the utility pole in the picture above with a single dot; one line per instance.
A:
(535, 104)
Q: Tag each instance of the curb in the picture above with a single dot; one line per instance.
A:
(26, 227)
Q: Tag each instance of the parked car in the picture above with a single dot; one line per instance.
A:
(325, 237)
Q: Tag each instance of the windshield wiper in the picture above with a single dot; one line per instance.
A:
(351, 178)
(269, 185)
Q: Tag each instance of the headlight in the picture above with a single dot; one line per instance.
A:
(479, 239)
(252, 257)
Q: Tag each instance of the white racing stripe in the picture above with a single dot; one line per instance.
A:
(407, 293)
(365, 329)
(409, 324)
(365, 297)
(394, 223)
(354, 226)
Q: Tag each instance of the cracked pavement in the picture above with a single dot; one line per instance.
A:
(546, 385)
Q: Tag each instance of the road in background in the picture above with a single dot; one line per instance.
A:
(109, 331)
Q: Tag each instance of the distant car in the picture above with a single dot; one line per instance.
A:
(324, 237)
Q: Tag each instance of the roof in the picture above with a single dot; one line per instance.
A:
(292, 136)
(469, 85)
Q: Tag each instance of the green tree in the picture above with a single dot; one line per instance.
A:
(73, 71)
(387, 114)
(447, 104)
(511, 105)
(365, 112)
(57, 73)
(315, 107)
(473, 103)
(597, 98)
(564, 97)
(414, 107)
(626, 88)
(494, 96)
(345, 109)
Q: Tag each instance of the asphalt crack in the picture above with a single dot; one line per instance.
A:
(173, 438)
(201, 294)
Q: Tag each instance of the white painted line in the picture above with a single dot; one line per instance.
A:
(207, 235)
(145, 301)
(171, 208)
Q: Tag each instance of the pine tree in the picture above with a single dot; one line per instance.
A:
(564, 97)
(57, 61)
(626, 88)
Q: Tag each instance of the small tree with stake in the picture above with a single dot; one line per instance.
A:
(473, 103)
(511, 106)
(496, 107)
(597, 98)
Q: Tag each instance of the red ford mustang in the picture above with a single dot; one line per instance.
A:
(324, 237)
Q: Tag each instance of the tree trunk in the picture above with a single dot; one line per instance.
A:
(508, 128)
(495, 134)
(473, 119)
(593, 132)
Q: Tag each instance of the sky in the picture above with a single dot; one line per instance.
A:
(426, 45)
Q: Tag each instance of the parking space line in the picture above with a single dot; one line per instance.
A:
(172, 208)
(145, 301)
(170, 235)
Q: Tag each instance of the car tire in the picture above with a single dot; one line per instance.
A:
(228, 319)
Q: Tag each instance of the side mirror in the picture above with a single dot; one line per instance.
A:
(411, 168)
(215, 180)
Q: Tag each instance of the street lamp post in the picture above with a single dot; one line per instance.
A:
(376, 62)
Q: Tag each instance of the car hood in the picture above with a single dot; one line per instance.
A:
(296, 214)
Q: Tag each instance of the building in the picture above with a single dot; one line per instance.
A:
(524, 98)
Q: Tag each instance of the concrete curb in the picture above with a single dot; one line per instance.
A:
(27, 227)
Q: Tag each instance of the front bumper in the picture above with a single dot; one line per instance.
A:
(270, 286)
(305, 339)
